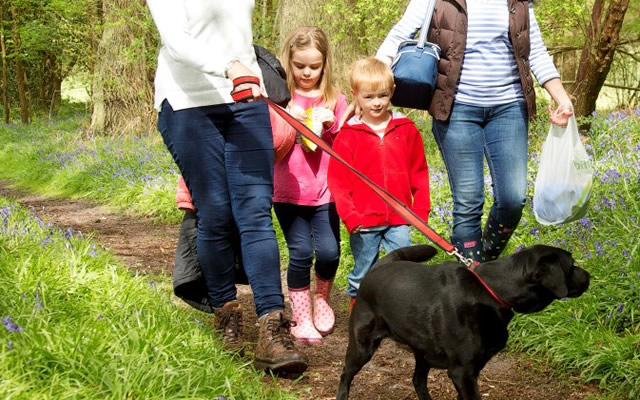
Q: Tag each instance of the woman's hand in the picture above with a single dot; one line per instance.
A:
(238, 69)
(352, 109)
(560, 116)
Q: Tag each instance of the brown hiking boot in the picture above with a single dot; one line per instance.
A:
(276, 350)
(229, 323)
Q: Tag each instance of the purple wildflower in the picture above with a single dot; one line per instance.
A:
(585, 223)
(620, 308)
(535, 231)
(10, 325)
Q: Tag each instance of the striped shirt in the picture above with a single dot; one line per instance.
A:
(489, 73)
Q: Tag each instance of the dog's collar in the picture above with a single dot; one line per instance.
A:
(491, 292)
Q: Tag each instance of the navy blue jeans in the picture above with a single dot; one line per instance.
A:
(309, 231)
(225, 154)
(499, 134)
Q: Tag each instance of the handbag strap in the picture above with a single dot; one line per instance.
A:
(404, 211)
(422, 39)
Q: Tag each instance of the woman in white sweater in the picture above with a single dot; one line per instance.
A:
(224, 150)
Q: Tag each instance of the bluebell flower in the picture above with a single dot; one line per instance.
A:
(10, 325)
(585, 223)
(620, 308)
(535, 231)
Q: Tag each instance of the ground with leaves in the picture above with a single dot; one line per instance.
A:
(148, 248)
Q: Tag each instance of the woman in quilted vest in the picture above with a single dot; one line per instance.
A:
(481, 106)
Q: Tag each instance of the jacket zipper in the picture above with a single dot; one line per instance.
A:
(384, 170)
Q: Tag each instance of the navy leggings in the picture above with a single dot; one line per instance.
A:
(309, 231)
(225, 154)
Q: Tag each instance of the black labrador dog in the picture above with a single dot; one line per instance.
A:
(447, 315)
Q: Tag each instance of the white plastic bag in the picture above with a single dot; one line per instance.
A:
(563, 184)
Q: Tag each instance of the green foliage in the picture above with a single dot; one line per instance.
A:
(76, 324)
(265, 30)
(368, 21)
(560, 20)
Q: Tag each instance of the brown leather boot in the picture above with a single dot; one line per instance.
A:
(276, 350)
(229, 323)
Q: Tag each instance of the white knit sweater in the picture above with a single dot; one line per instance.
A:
(199, 38)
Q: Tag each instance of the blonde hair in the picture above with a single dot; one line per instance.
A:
(370, 74)
(302, 39)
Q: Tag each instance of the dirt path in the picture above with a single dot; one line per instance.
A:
(148, 248)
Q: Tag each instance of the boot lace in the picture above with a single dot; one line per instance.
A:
(280, 329)
(230, 323)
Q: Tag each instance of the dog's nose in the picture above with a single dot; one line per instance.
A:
(579, 283)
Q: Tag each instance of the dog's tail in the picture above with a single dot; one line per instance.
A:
(418, 253)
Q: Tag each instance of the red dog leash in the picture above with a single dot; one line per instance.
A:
(399, 207)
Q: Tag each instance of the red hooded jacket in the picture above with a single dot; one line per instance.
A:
(396, 162)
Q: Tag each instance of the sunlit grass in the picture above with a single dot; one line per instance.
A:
(77, 325)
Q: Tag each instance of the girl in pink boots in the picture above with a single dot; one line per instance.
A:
(302, 201)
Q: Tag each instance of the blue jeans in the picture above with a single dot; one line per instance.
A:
(365, 247)
(225, 154)
(310, 230)
(499, 134)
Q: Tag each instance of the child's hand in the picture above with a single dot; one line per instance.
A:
(298, 113)
(303, 144)
(356, 229)
(324, 115)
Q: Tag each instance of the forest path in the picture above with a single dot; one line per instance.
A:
(149, 248)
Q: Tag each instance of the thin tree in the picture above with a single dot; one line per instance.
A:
(20, 76)
(5, 78)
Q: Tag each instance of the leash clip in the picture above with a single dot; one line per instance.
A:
(466, 261)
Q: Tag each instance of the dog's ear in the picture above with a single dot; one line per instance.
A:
(549, 272)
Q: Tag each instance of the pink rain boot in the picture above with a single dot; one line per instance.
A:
(303, 329)
(323, 317)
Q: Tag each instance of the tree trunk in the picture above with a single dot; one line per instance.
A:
(122, 91)
(51, 83)
(20, 77)
(5, 78)
(602, 38)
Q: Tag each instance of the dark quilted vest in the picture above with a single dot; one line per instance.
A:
(449, 31)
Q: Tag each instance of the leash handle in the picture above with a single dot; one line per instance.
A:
(240, 96)
(408, 214)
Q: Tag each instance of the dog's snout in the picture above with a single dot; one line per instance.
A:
(579, 282)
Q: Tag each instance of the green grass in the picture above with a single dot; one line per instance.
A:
(596, 336)
(77, 325)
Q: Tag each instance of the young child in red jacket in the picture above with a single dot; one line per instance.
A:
(386, 147)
